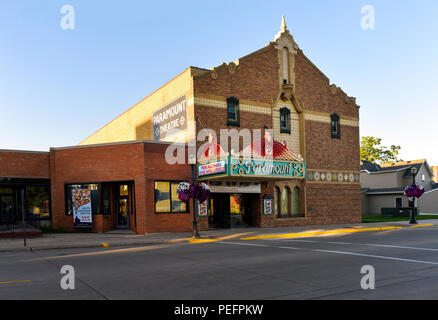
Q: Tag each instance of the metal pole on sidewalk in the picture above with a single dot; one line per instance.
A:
(23, 214)
(414, 210)
(195, 233)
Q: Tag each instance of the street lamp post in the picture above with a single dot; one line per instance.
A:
(195, 233)
(413, 214)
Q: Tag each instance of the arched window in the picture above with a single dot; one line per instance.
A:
(285, 58)
(285, 202)
(285, 123)
(296, 202)
(277, 202)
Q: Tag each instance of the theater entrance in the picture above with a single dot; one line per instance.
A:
(230, 210)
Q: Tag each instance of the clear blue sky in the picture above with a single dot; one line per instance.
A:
(58, 86)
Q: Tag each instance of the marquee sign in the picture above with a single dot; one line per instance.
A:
(212, 168)
(249, 167)
(267, 159)
(171, 119)
(264, 168)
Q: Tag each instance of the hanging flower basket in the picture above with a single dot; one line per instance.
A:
(202, 192)
(184, 191)
(414, 191)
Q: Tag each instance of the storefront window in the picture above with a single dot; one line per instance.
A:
(106, 199)
(6, 190)
(94, 197)
(177, 205)
(166, 198)
(38, 201)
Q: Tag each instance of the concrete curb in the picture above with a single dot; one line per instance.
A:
(226, 236)
(91, 245)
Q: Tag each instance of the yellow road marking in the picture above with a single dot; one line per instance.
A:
(422, 225)
(203, 240)
(317, 233)
(16, 281)
(178, 240)
(219, 239)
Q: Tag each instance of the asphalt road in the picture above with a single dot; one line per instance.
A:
(405, 263)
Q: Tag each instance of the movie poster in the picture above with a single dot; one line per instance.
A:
(267, 205)
(81, 202)
(203, 209)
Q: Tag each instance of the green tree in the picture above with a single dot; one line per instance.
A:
(371, 150)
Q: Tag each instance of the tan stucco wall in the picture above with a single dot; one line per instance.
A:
(136, 123)
(428, 203)
(375, 203)
(364, 200)
(380, 180)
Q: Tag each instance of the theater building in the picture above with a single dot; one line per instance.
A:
(301, 166)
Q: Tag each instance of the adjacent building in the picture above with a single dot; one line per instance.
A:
(300, 167)
(383, 185)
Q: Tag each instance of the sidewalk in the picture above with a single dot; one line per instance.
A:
(119, 238)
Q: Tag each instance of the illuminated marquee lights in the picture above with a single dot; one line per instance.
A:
(212, 168)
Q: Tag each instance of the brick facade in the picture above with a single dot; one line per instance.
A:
(139, 163)
(24, 164)
(278, 76)
(255, 80)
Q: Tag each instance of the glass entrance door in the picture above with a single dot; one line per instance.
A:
(6, 210)
(122, 213)
(122, 205)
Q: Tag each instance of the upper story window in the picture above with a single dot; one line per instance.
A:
(285, 126)
(285, 58)
(233, 116)
(336, 126)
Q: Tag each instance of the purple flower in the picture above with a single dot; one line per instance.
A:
(202, 192)
(414, 191)
(184, 191)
